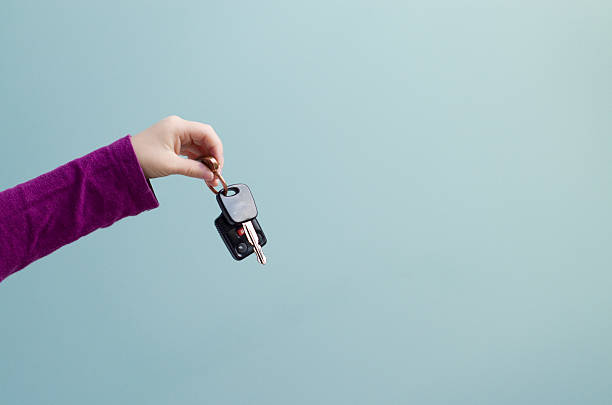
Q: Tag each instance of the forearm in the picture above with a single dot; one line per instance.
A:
(59, 207)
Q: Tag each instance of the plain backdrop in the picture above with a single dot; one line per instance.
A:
(434, 179)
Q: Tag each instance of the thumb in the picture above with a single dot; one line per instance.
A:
(192, 168)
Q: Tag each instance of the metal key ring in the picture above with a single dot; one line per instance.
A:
(213, 165)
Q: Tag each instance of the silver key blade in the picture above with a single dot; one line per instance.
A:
(253, 239)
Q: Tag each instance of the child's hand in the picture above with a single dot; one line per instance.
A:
(160, 147)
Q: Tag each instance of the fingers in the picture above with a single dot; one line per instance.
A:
(195, 154)
(204, 138)
(191, 151)
(196, 140)
(192, 168)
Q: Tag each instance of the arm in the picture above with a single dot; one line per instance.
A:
(98, 189)
(57, 208)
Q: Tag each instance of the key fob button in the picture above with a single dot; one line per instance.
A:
(241, 248)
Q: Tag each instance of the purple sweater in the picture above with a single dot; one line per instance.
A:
(57, 208)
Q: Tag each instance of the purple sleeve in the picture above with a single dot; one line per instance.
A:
(57, 208)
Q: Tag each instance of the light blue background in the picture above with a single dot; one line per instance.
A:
(434, 179)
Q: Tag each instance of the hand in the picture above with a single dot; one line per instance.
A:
(160, 147)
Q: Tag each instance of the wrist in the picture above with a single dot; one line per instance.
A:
(138, 151)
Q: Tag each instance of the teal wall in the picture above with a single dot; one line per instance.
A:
(434, 179)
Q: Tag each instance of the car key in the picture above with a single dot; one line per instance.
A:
(238, 208)
(235, 238)
(237, 221)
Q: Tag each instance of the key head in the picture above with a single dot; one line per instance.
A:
(238, 205)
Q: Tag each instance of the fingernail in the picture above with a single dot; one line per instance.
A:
(208, 175)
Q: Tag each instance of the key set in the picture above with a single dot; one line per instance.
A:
(237, 225)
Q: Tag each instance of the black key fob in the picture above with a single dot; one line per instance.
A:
(234, 237)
